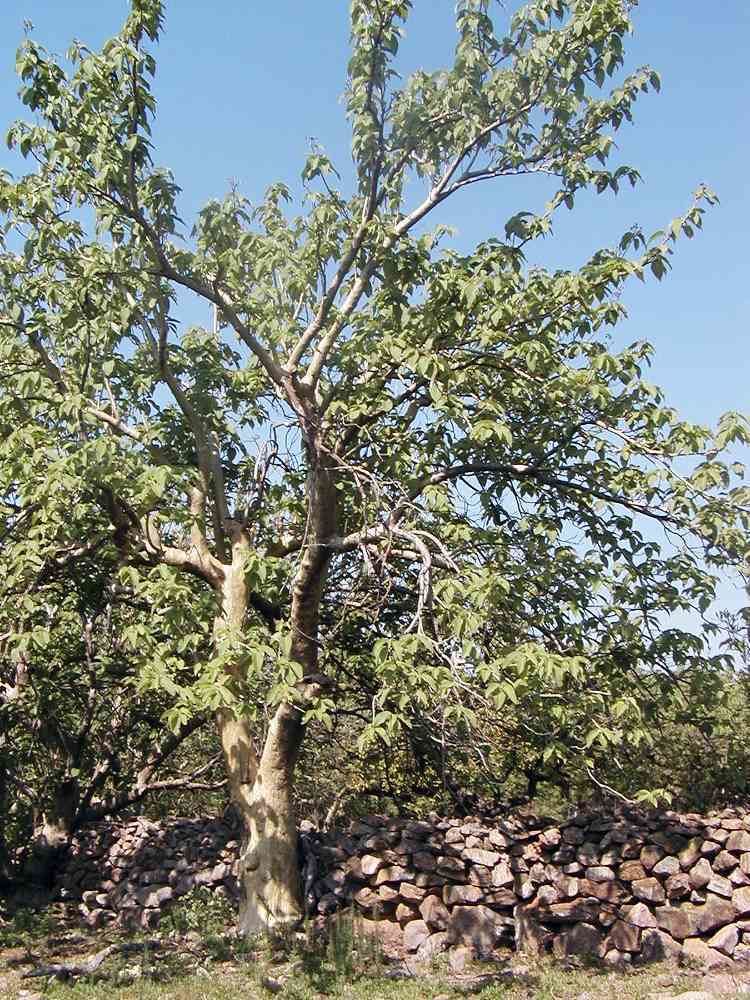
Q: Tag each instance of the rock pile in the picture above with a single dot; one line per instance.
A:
(129, 872)
(630, 887)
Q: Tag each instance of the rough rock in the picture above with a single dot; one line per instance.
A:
(697, 952)
(631, 871)
(658, 946)
(581, 939)
(433, 945)
(639, 915)
(725, 940)
(741, 901)
(475, 926)
(649, 889)
(416, 933)
(738, 840)
(667, 866)
(720, 886)
(434, 913)
(623, 936)
(460, 895)
(476, 856)
(714, 913)
(679, 922)
(701, 874)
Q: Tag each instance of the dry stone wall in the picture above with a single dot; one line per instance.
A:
(631, 887)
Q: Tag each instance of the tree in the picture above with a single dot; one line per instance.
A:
(414, 477)
(77, 741)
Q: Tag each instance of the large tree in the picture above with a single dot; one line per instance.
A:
(399, 475)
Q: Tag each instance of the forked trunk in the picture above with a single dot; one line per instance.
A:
(262, 789)
(261, 792)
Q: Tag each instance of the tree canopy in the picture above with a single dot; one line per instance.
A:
(392, 483)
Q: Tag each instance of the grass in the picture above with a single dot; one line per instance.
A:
(199, 959)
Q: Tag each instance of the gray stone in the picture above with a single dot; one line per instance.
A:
(581, 939)
(461, 894)
(450, 867)
(738, 840)
(623, 936)
(697, 952)
(678, 886)
(416, 933)
(720, 886)
(649, 889)
(650, 854)
(567, 887)
(588, 854)
(724, 862)
(502, 875)
(411, 893)
(547, 894)
(478, 927)
(573, 835)
(479, 857)
(725, 940)
(618, 960)
(497, 839)
(600, 874)
(631, 871)
(680, 922)
(458, 958)
(388, 893)
(741, 901)
(151, 897)
(367, 899)
(701, 874)
(667, 866)
(424, 861)
(433, 945)
(639, 915)
(434, 913)
(715, 913)
(691, 852)
(392, 873)
(578, 910)
(658, 946)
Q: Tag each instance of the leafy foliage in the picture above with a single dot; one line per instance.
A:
(396, 489)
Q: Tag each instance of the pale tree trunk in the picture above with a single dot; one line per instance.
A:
(263, 788)
(261, 792)
(269, 868)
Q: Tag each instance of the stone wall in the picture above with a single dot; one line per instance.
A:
(635, 886)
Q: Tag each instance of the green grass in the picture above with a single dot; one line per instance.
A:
(199, 959)
(543, 983)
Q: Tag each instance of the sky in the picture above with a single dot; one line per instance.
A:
(243, 87)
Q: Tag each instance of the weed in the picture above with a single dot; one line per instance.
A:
(26, 926)
(200, 911)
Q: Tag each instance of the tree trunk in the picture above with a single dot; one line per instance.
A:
(262, 790)
(269, 867)
(52, 835)
(261, 793)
